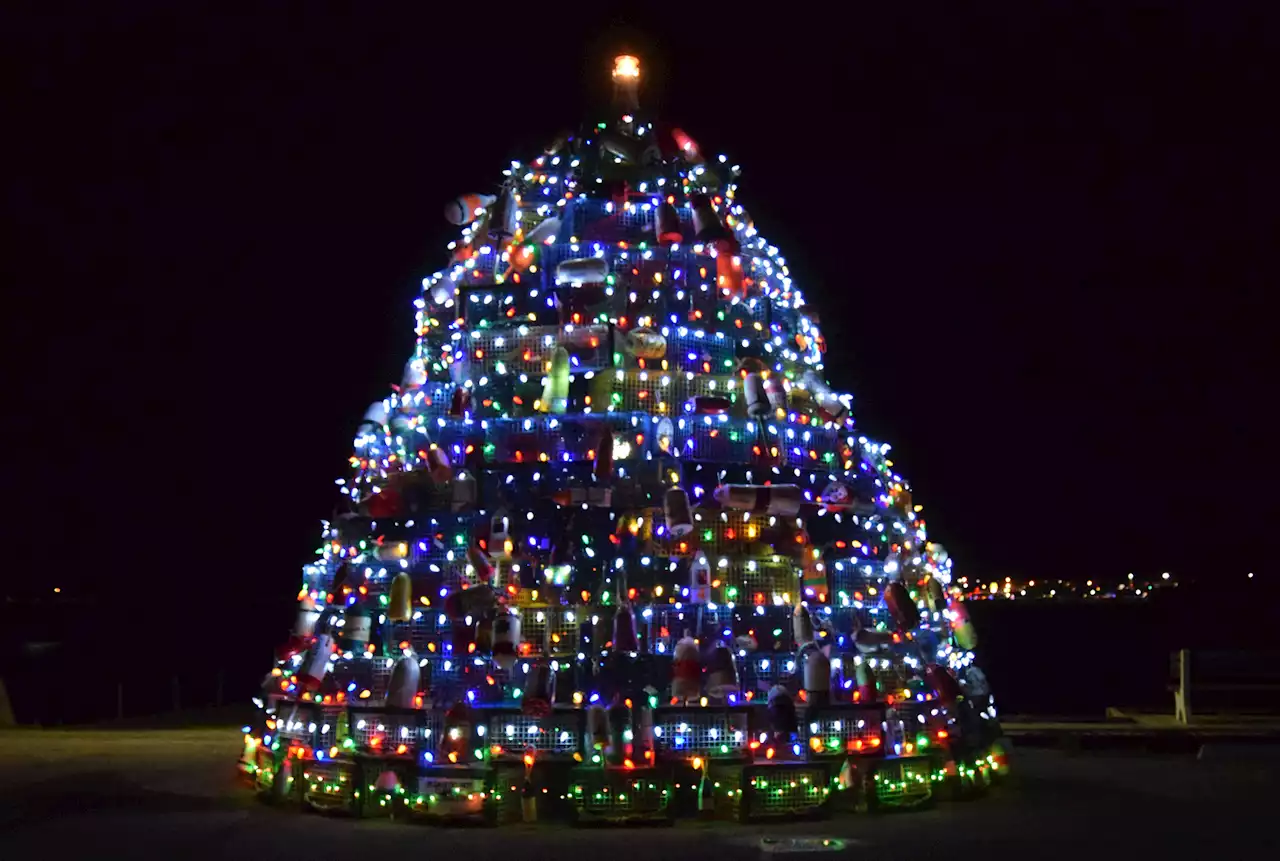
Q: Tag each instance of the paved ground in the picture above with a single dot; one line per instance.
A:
(172, 794)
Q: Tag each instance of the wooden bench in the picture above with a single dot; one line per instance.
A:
(1220, 671)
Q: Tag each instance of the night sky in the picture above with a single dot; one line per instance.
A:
(1036, 240)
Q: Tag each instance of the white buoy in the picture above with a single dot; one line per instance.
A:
(583, 270)
(757, 396)
(466, 208)
(506, 640)
(675, 506)
(402, 691)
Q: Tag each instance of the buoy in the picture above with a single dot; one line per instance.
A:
(475, 601)
(817, 677)
(784, 499)
(866, 679)
(415, 374)
(402, 690)
(905, 613)
(528, 797)
(711, 404)
(813, 575)
(700, 579)
(686, 671)
(597, 728)
(624, 630)
(460, 402)
(646, 344)
(603, 466)
(539, 689)
(316, 663)
(722, 674)
(620, 730)
(465, 491)
(757, 396)
(582, 270)
(504, 216)
(506, 640)
(688, 148)
(666, 224)
(729, 268)
(400, 601)
(830, 407)
(801, 625)
(675, 508)
(480, 562)
(941, 680)
(961, 627)
(304, 627)
(438, 464)
(500, 535)
(777, 393)
(782, 713)
(706, 223)
(375, 417)
(357, 627)
(555, 391)
(466, 208)
(547, 228)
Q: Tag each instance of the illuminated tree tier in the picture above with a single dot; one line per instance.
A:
(615, 514)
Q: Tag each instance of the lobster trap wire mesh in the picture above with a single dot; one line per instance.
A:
(903, 782)
(840, 730)
(607, 793)
(709, 732)
(329, 784)
(558, 733)
(785, 790)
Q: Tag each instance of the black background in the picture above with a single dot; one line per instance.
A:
(1037, 239)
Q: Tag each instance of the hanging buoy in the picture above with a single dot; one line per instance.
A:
(620, 730)
(801, 625)
(539, 689)
(415, 374)
(555, 391)
(357, 628)
(700, 579)
(465, 491)
(402, 691)
(547, 228)
(866, 679)
(646, 344)
(729, 268)
(582, 270)
(782, 714)
(304, 627)
(475, 601)
(666, 224)
(400, 601)
(438, 464)
(901, 606)
(941, 680)
(817, 677)
(706, 223)
(504, 216)
(830, 406)
(711, 405)
(602, 469)
(315, 666)
(686, 671)
(675, 508)
(813, 575)
(777, 393)
(506, 640)
(722, 674)
(460, 403)
(961, 627)
(466, 208)
(784, 499)
(624, 630)
(757, 396)
(688, 148)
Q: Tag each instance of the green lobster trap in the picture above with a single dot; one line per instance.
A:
(620, 796)
(899, 783)
(331, 786)
(774, 790)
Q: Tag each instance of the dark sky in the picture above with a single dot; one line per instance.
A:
(1037, 240)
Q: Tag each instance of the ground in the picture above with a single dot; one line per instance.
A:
(173, 794)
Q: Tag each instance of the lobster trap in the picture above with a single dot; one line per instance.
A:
(899, 783)
(331, 786)
(713, 732)
(510, 733)
(774, 790)
(620, 796)
(453, 793)
(837, 731)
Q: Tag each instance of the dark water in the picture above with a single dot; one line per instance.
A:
(1042, 657)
